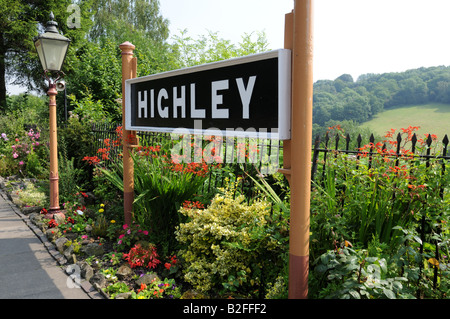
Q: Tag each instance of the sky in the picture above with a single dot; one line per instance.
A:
(350, 36)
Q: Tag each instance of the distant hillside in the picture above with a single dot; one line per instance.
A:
(360, 101)
(432, 118)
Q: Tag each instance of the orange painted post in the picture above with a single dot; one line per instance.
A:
(54, 178)
(297, 157)
(288, 44)
(129, 137)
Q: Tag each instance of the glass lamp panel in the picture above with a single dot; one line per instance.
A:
(40, 52)
(54, 53)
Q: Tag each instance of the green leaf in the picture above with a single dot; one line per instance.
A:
(417, 239)
(389, 293)
(321, 268)
(354, 294)
(382, 263)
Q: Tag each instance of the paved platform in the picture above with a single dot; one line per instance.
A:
(27, 269)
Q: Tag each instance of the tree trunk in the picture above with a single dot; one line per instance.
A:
(2, 74)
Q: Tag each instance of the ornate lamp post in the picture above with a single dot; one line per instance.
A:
(52, 49)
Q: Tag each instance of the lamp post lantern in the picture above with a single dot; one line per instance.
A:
(52, 49)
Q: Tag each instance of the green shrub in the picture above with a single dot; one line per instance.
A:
(232, 246)
(76, 138)
(24, 152)
(70, 177)
(353, 274)
(24, 133)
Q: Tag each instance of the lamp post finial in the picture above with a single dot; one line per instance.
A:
(51, 25)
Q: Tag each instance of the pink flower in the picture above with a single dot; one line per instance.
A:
(125, 226)
(121, 236)
(15, 155)
(119, 242)
(145, 232)
(21, 163)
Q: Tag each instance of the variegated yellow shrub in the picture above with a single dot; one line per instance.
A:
(230, 245)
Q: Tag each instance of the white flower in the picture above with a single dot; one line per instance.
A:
(79, 212)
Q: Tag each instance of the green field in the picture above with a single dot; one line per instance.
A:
(432, 118)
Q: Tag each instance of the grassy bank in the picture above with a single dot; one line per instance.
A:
(432, 118)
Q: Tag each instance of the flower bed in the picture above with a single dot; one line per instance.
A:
(121, 262)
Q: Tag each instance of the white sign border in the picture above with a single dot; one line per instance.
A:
(284, 96)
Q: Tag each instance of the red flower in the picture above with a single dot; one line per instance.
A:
(193, 205)
(167, 265)
(140, 256)
(143, 286)
(94, 160)
(52, 223)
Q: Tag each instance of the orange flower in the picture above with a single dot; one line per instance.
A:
(94, 160)
(143, 286)
(390, 133)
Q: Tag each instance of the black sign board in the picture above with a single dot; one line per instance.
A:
(248, 96)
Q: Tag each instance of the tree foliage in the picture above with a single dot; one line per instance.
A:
(211, 47)
(358, 101)
(115, 18)
(21, 21)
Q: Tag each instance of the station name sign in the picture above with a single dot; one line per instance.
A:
(243, 97)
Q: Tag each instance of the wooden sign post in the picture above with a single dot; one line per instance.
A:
(297, 151)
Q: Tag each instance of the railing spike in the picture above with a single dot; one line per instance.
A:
(445, 140)
(414, 138)
(359, 140)
(429, 140)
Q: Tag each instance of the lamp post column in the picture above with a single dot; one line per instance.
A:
(54, 186)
